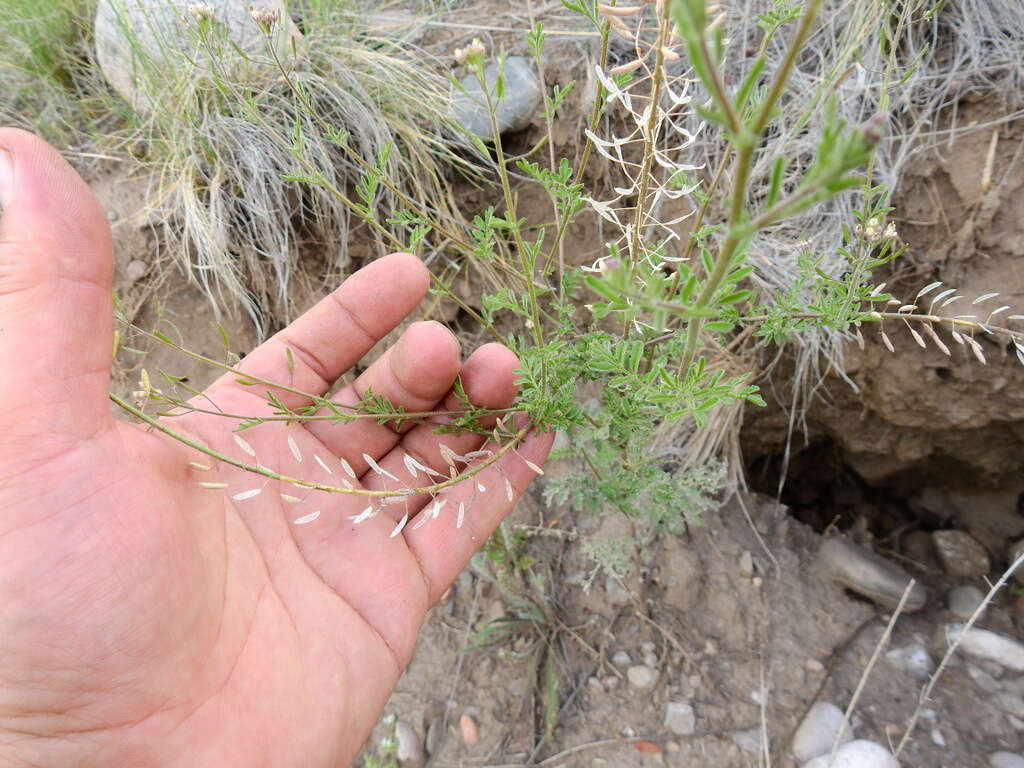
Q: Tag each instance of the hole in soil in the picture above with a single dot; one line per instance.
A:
(821, 490)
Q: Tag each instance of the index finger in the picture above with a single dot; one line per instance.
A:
(316, 349)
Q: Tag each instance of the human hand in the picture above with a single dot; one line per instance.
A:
(147, 620)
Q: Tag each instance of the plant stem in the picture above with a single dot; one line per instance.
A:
(261, 470)
(650, 142)
(510, 206)
(745, 141)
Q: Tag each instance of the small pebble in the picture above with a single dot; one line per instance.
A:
(937, 738)
(642, 677)
(680, 718)
(746, 564)
(961, 554)
(112, 216)
(912, 659)
(512, 113)
(869, 574)
(611, 682)
(749, 741)
(135, 270)
(964, 600)
(671, 746)
(651, 659)
(1005, 760)
(617, 594)
(818, 730)
(621, 659)
(983, 679)
(409, 747)
(988, 645)
(470, 730)
(594, 684)
(814, 666)
(857, 754)
(1010, 703)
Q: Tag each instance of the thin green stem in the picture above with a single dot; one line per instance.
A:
(299, 482)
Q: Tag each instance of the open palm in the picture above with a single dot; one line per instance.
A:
(146, 619)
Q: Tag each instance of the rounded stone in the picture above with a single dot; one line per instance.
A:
(913, 659)
(139, 41)
(621, 659)
(987, 645)
(964, 600)
(818, 731)
(515, 111)
(680, 718)
(750, 740)
(641, 677)
(961, 554)
(857, 754)
(1005, 760)
(409, 746)
(136, 270)
(866, 573)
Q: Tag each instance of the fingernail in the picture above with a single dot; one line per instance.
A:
(6, 178)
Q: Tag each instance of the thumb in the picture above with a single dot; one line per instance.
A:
(56, 309)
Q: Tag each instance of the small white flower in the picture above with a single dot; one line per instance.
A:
(475, 50)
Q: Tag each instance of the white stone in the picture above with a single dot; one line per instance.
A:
(512, 113)
(937, 738)
(642, 677)
(1005, 760)
(912, 659)
(139, 41)
(857, 754)
(680, 718)
(818, 731)
(621, 659)
(987, 645)
(964, 600)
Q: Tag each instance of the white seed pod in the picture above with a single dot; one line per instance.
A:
(294, 448)
(398, 528)
(887, 341)
(244, 445)
(348, 469)
(290, 499)
(212, 485)
(366, 514)
(985, 297)
(322, 464)
(461, 518)
(510, 493)
(860, 338)
(377, 468)
(976, 349)
(927, 289)
(247, 494)
(200, 467)
(307, 518)
(917, 337)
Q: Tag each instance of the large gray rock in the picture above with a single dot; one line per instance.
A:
(866, 573)
(818, 731)
(514, 112)
(984, 644)
(143, 46)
